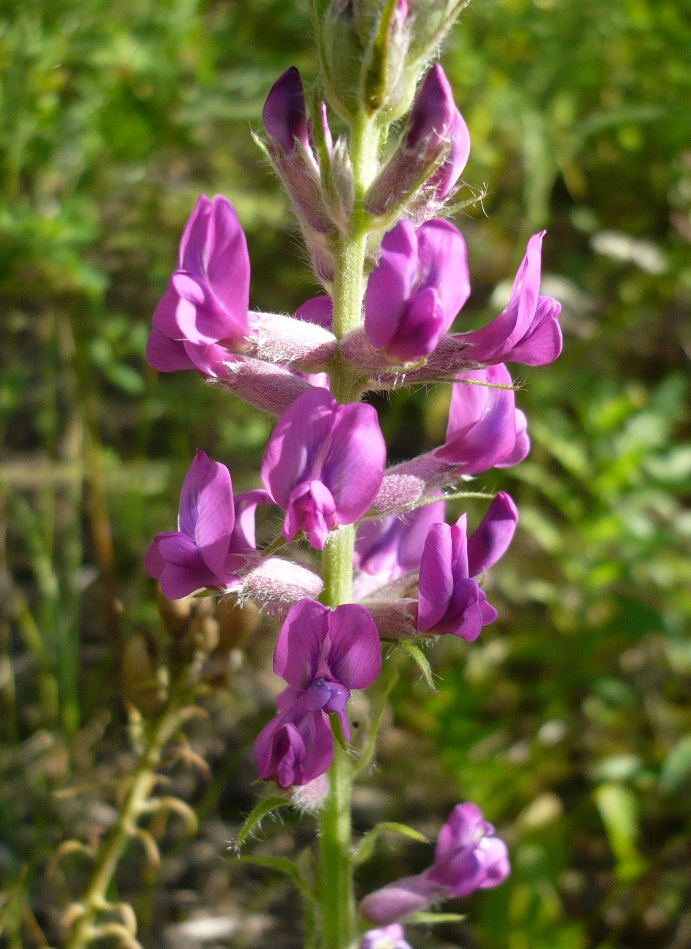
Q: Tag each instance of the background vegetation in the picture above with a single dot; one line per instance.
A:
(570, 720)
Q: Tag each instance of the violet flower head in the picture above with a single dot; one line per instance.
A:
(416, 289)
(324, 464)
(285, 111)
(467, 857)
(485, 429)
(208, 295)
(322, 654)
(527, 331)
(435, 123)
(215, 534)
(450, 600)
(389, 937)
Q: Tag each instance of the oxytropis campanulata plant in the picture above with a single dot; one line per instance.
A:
(394, 275)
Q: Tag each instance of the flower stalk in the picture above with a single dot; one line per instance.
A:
(82, 918)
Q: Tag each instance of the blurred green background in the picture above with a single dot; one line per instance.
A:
(569, 721)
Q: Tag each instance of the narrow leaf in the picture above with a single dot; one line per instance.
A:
(371, 746)
(421, 661)
(263, 808)
(281, 865)
(366, 846)
(337, 730)
(429, 919)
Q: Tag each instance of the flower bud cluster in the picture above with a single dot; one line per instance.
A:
(324, 467)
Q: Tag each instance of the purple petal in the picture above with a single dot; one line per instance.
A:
(354, 656)
(285, 112)
(207, 513)
(354, 466)
(184, 570)
(493, 342)
(485, 430)
(390, 937)
(242, 539)
(436, 578)
(492, 538)
(301, 643)
(165, 354)
(294, 748)
(420, 328)
(443, 257)
(446, 177)
(311, 509)
(302, 432)
(543, 342)
(391, 283)
(392, 546)
(228, 260)
(400, 899)
(318, 310)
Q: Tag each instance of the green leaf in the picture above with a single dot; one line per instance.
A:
(365, 848)
(420, 659)
(430, 919)
(371, 746)
(618, 807)
(337, 729)
(263, 808)
(281, 865)
(676, 771)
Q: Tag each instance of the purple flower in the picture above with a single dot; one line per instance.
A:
(436, 132)
(390, 547)
(296, 161)
(467, 857)
(417, 288)
(390, 937)
(215, 534)
(322, 654)
(485, 429)
(528, 330)
(450, 600)
(436, 123)
(324, 464)
(208, 295)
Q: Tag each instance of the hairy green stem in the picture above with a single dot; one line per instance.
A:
(335, 888)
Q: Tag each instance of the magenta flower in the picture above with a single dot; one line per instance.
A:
(435, 123)
(390, 547)
(296, 161)
(450, 600)
(485, 429)
(215, 534)
(324, 464)
(322, 654)
(528, 330)
(467, 857)
(435, 132)
(208, 295)
(389, 937)
(416, 289)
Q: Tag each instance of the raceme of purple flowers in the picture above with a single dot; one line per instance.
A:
(325, 462)
(467, 857)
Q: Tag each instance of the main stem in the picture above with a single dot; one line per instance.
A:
(335, 888)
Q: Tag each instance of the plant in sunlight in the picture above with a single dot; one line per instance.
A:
(394, 274)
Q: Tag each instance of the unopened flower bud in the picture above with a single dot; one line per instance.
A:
(431, 155)
(285, 113)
